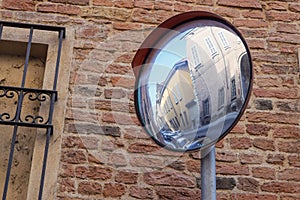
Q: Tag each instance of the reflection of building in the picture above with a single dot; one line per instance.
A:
(176, 102)
(147, 111)
(214, 56)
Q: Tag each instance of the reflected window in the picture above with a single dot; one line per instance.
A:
(233, 89)
(169, 103)
(206, 107)
(224, 40)
(185, 117)
(221, 97)
(178, 93)
(177, 123)
(211, 46)
(182, 120)
(196, 57)
(175, 97)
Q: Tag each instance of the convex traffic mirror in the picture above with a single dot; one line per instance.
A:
(194, 76)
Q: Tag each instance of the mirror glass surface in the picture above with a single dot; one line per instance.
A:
(193, 85)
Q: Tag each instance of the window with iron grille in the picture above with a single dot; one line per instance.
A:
(28, 93)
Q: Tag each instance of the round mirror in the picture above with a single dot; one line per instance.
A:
(194, 76)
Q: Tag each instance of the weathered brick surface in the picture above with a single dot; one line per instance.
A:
(106, 154)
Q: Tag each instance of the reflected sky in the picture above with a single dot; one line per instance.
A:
(169, 55)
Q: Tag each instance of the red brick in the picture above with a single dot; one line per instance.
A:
(268, 81)
(253, 33)
(168, 179)
(294, 7)
(97, 158)
(193, 165)
(91, 32)
(222, 196)
(292, 174)
(113, 190)
(182, 7)
(294, 160)
(273, 118)
(275, 69)
(284, 37)
(67, 185)
(124, 82)
(287, 132)
(263, 172)
(248, 184)
(127, 177)
(280, 186)
(289, 146)
(281, 6)
(281, 93)
(282, 16)
(114, 93)
(232, 169)
(258, 129)
(163, 5)
(103, 3)
(227, 12)
(75, 2)
(254, 14)
(148, 4)
(264, 144)
(177, 165)
(127, 26)
(105, 12)
(256, 43)
(141, 147)
(242, 4)
(68, 9)
(111, 105)
(47, 7)
(239, 129)
(117, 159)
(124, 3)
(251, 158)
(250, 23)
(277, 159)
(96, 173)
(26, 5)
(141, 192)
(89, 188)
(178, 193)
(74, 157)
(80, 142)
(240, 143)
(205, 2)
(120, 118)
(287, 27)
(144, 161)
(290, 197)
(67, 170)
(153, 17)
(240, 196)
(76, 114)
(226, 156)
(118, 69)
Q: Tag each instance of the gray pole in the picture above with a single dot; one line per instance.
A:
(208, 175)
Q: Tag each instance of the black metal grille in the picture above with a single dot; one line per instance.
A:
(16, 118)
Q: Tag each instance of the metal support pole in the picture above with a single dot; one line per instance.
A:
(208, 175)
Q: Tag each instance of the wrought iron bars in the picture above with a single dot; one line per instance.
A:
(40, 95)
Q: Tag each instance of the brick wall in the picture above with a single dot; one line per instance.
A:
(105, 154)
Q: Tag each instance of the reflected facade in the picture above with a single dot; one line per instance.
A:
(193, 87)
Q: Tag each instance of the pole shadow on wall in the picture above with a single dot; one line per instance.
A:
(193, 82)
